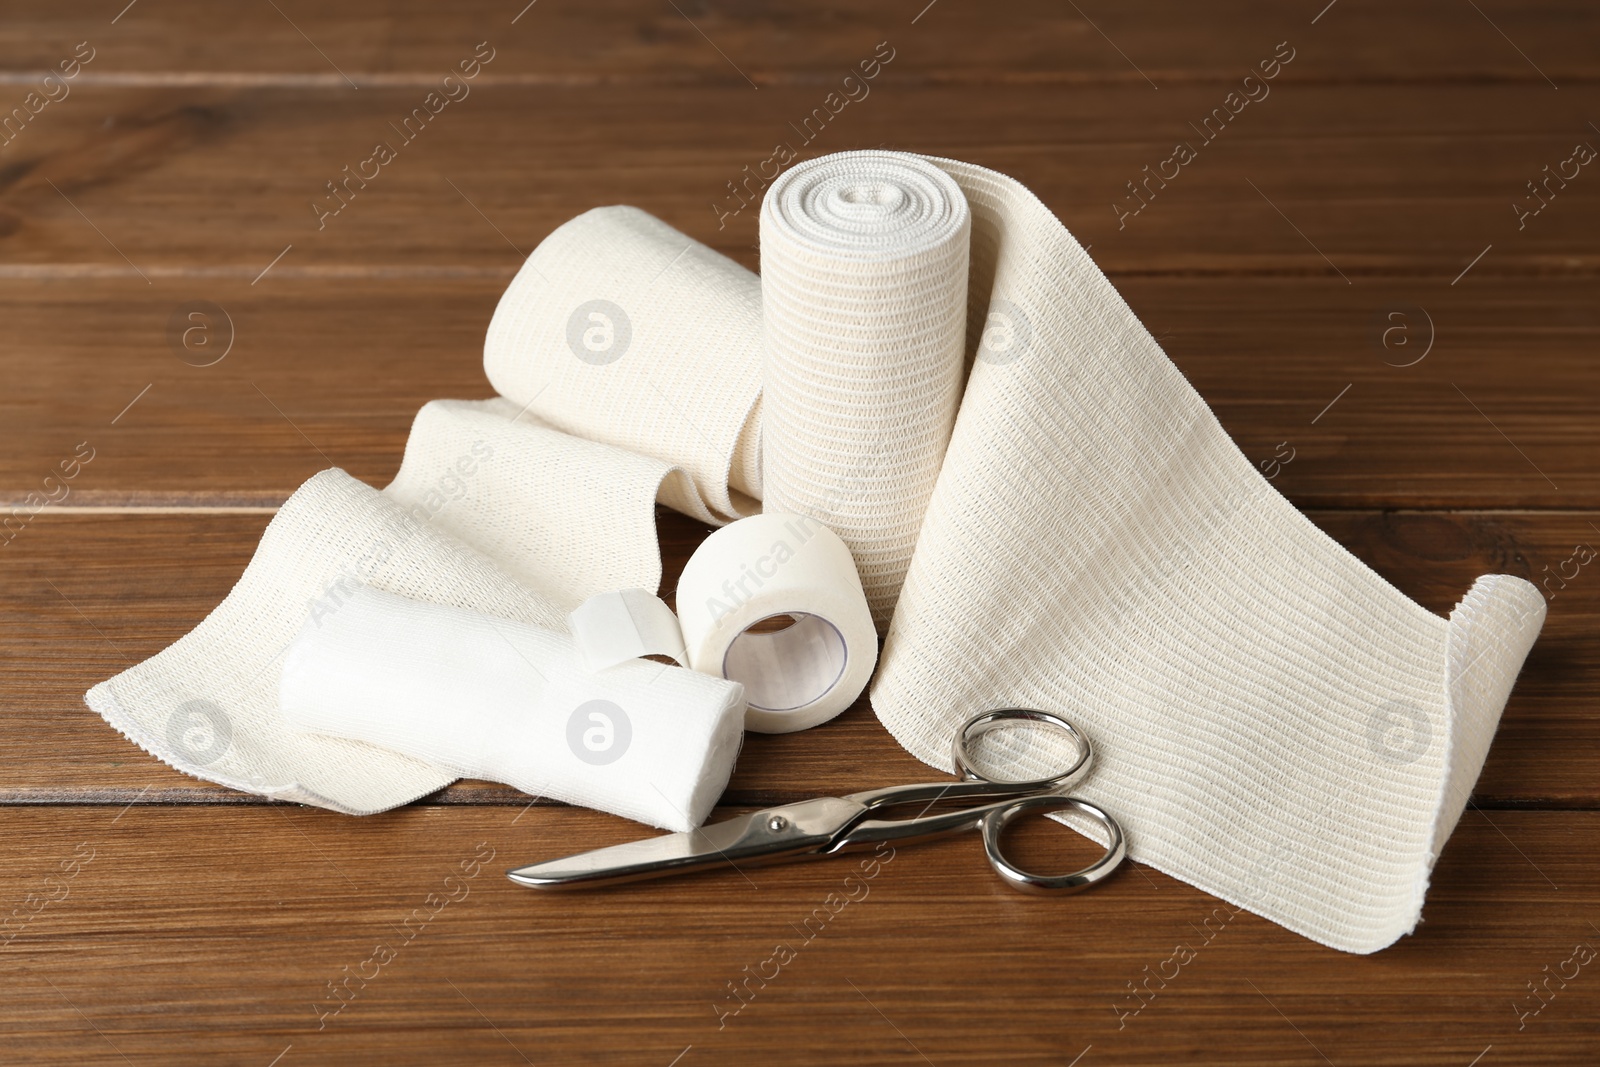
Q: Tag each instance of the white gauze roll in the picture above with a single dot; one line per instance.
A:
(510, 702)
(864, 281)
(770, 565)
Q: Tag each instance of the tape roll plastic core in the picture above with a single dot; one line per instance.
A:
(790, 668)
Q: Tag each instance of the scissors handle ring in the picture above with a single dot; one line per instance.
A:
(995, 823)
(981, 724)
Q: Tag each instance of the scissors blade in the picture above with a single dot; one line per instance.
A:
(792, 831)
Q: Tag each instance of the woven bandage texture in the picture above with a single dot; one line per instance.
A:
(864, 287)
(1274, 722)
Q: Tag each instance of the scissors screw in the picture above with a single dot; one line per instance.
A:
(777, 822)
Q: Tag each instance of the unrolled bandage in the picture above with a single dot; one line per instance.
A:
(1273, 721)
(522, 506)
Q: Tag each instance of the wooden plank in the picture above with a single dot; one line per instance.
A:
(213, 934)
(324, 375)
(1342, 182)
(316, 376)
(86, 595)
(777, 41)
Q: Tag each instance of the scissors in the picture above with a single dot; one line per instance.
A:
(829, 825)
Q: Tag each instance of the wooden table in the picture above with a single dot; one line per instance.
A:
(1354, 267)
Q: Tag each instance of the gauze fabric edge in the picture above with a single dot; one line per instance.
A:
(1473, 717)
(103, 700)
(1476, 709)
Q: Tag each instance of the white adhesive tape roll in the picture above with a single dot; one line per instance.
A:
(779, 565)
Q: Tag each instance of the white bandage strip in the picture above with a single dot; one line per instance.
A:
(625, 624)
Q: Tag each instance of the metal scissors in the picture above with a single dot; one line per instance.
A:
(829, 825)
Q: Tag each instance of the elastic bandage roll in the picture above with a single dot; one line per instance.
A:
(864, 297)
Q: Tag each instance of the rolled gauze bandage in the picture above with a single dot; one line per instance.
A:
(510, 702)
(772, 565)
(864, 290)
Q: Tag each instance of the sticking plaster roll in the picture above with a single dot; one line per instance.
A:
(771, 565)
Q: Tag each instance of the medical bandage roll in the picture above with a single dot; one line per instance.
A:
(622, 330)
(512, 702)
(775, 565)
(864, 283)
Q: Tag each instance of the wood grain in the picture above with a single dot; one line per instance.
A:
(772, 42)
(214, 934)
(323, 374)
(90, 594)
(1376, 180)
